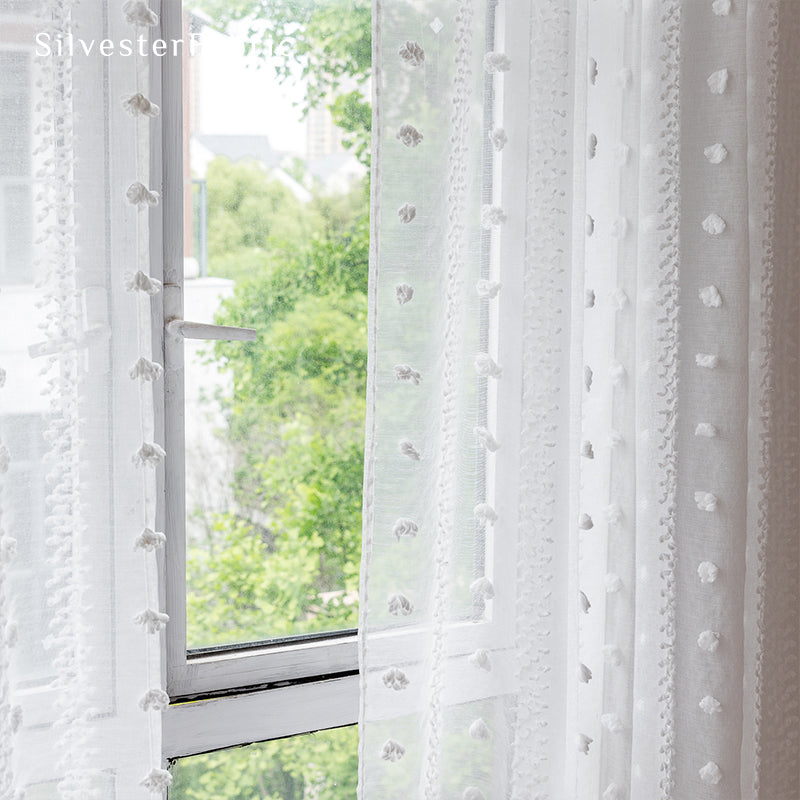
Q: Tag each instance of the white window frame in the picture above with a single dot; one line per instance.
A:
(239, 694)
(243, 694)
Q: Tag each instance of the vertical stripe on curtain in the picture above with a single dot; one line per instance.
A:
(82, 684)
(581, 508)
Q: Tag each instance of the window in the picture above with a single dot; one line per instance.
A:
(264, 349)
(264, 253)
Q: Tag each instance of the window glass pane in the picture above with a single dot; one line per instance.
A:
(276, 121)
(322, 766)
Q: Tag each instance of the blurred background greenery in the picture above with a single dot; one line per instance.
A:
(283, 555)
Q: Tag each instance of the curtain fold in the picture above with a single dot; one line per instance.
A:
(81, 665)
(581, 539)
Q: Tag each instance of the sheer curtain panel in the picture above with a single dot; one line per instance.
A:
(80, 674)
(580, 576)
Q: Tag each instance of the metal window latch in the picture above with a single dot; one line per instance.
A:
(181, 328)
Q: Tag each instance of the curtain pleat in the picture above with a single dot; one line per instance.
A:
(581, 540)
(80, 708)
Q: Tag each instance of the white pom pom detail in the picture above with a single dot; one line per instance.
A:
(409, 451)
(498, 138)
(582, 741)
(406, 213)
(707, 571)
(612, 654)
(405, 527)
(399, 605)
(496, 62)
(486, 439)
(492, 216)
(139, 195)
(148, 455)
(481, 659)
(145, 370)
(409, 135)
(140, 282)
(584, 673)
(710, 773)
(585, 522)
(157, 780)
(620, 299)
(613, 583)
(710, 297)
(149, 540)
(8, 548)
(482, 588)
(613, 792)
(152, 621)
(708, 641)
(714, 225)
(412, 53)
(137, 13)
(5, 459)
(484, 514)
(721, 7)
(488, 289)
(154, 700)
(403, 372)
(395, 678)
(705, 429)
(715, 153)
(617, 373)
(718, 81)
(473, 793)
(392, 751)
(706, 360)
(479, 730)
(706, 501)
(611, 722)
(487, 367)
(710, 705)
(404, 293)
(137, 105)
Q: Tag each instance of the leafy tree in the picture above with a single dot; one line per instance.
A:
(283, 558)
(322, 766)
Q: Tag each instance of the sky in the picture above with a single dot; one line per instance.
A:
(239, 98)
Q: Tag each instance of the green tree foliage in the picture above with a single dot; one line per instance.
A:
(283, 558)
(322, 766)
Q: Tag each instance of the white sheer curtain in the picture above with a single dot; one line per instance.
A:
(80, 682)
(581, 564)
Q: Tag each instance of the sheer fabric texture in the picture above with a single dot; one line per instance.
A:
(581, 564)
(80, 674)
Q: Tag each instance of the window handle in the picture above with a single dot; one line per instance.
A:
(184, 329)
